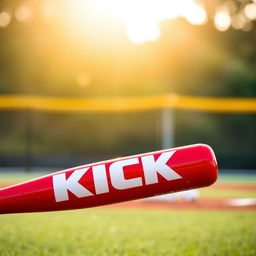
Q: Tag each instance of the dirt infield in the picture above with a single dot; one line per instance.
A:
(200, 204)
(247, 187)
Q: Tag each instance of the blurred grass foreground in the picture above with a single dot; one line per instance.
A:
(112, 49)
(128, 232)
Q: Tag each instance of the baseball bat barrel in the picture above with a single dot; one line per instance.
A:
(114, 181)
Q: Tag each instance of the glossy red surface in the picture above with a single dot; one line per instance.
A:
(196, 164)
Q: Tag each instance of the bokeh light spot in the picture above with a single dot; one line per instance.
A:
(5, 19)
(250, 11)
(222, 20)
(23, 13)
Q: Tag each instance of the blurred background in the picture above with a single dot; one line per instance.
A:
(87, 80)
(96, 49)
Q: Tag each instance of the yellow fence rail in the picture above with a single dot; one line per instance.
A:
(128, 104)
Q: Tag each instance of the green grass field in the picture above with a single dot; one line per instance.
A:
(129, 232)
(109, 231)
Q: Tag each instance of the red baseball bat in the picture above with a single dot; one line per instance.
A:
(114, 181)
